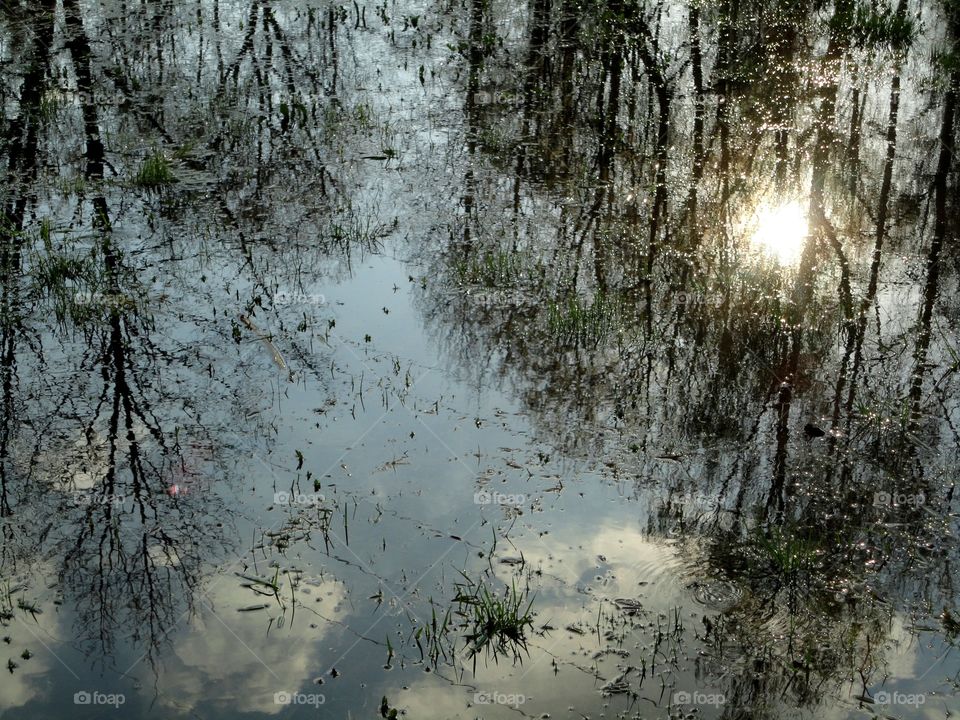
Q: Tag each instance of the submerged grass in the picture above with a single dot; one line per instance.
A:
(66, 276)
(785, 555)
(584, 322)
(155, 172)
(494, 269)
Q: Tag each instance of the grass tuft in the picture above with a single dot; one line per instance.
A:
(584, 322)
(495, 624)
(498, 269)
(155, 172)
(786, 555)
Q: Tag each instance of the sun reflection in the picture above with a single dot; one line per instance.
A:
(780, 231)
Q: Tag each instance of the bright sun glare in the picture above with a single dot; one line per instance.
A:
(781, 231)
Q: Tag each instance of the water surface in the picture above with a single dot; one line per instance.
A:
(475, 360)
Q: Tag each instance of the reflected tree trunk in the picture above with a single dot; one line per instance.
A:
(941, 192)
(880, 234)
(20, 144)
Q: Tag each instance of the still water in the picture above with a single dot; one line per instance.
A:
(479, 360)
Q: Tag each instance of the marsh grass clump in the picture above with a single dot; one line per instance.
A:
(8, 606)
(50, 105)
(785, 555)
(883, 429)
(155, 172)
(67, 277)
(496, 624)
(433, 639)
(355, 229)
(75, 185)
(497, 269)
(584, 322)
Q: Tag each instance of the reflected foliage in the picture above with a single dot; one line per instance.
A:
(626, 161)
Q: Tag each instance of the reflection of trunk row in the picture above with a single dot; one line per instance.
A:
(791, 428)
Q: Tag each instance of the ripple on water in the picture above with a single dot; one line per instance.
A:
(720, 595)
(654, 579)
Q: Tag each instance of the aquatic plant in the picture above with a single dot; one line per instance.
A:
(67, 277)
(584, 322)
(495, 624)
(154, 172)
(492, 269)
(436, 636)
(784, 554)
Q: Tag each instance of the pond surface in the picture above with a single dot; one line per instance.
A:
(479, 359)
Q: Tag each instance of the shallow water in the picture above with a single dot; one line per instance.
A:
(328, 329)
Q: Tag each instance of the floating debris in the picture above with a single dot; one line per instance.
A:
(616, 687)
(629, 605)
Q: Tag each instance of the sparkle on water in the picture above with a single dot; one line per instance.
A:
(780, 231)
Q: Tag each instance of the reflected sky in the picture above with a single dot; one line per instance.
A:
(642, 311)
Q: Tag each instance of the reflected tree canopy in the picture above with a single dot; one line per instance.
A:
(711, 242)
(708, 248)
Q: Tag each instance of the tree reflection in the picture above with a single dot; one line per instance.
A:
(663, 130)
(615, 159)
(118, 399)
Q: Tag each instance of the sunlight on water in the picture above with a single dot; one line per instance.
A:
(780, 231)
